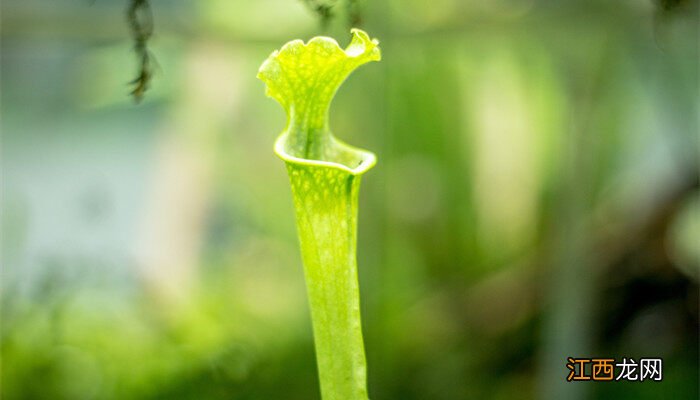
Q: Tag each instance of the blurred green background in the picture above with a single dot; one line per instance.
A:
(536, 197)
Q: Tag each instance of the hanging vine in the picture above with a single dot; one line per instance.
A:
(140, 19)
(325, 10)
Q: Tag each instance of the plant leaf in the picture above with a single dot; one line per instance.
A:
(325, 178)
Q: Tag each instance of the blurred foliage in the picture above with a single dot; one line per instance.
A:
(536, 198)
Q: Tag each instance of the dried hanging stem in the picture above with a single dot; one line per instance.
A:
(140, 19)
(354, 13)
(324, 11)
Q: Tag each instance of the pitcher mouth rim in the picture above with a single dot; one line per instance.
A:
(368, 159)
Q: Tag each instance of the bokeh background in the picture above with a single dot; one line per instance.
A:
(536, 197)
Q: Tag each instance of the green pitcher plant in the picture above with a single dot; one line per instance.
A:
(325, 174)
